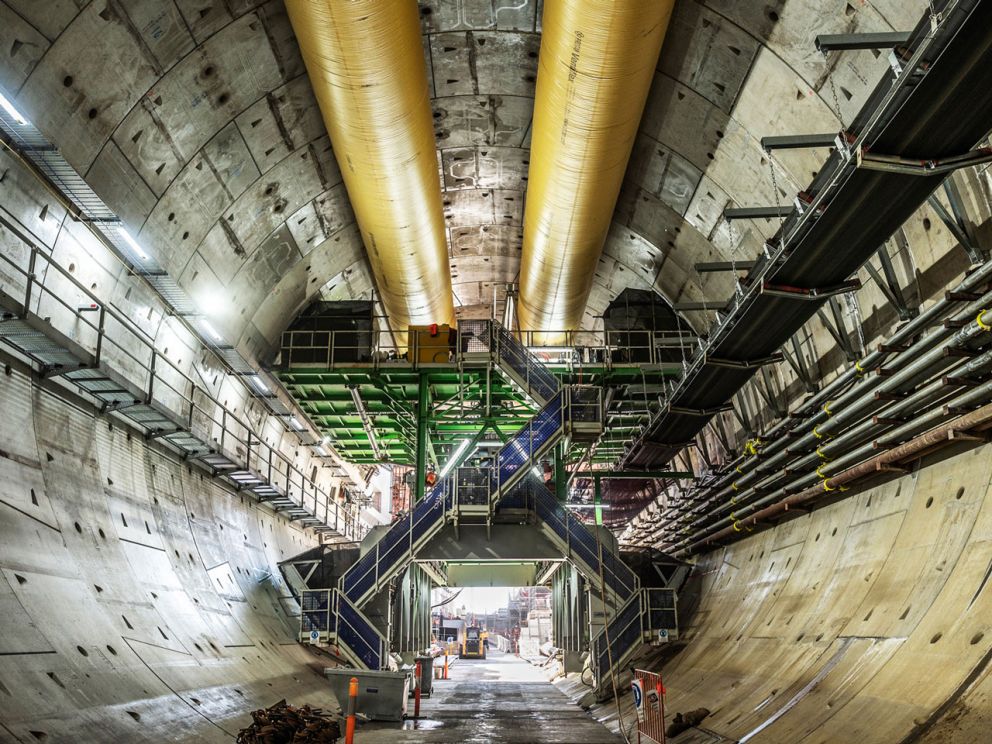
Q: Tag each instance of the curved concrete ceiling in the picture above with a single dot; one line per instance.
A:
(194, 120)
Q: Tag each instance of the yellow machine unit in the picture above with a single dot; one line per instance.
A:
(474, 645)
(431, 344)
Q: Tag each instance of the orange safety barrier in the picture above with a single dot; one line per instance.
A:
(649, 704)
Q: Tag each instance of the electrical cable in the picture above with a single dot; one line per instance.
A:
(606, 633)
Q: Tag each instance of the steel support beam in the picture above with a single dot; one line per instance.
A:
(423, 416)
(713, 266)
(955, 228)
(684, 306)
(752, 213)
(798, 141)
(850, 42)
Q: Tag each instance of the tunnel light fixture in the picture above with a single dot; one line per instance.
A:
(587, 506)
(321, 451)
(367, 424)
(133, 244)
(12, 112)
(211, 330)
(259, 384)
(295, 424)
(454, 458)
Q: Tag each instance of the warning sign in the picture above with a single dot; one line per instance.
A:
(638, 688)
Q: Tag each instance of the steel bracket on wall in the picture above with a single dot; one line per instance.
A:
(922, 167)
(849, 42)
(752, 213)
(810, 293)
(957, 222)
(742, 363)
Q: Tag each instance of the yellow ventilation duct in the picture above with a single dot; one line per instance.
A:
(366, 65)
(597, 61)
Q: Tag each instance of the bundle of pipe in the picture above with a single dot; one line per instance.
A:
(595, 69)
(366, 64)
(841, 437)
(841, 401)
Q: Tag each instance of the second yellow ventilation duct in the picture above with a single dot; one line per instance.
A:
(595, 69)
(366, 64)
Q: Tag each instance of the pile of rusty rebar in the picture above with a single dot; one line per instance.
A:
(287, 724)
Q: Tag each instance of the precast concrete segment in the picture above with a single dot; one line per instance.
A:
(595, 69)
(500, 700)
(366, 63)
(862, 621)
(139, 601)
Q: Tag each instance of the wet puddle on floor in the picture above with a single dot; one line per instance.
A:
(421, 724)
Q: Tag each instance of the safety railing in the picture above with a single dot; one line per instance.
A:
(348, 348)
(661, 613)
(520, 453)
(357, 634)
(473, 486)
(108, 356)
(600, 348)
(516, 361)
(624, 633)
(579, 543)
(649, 615)
(394, 550)
(316, 613)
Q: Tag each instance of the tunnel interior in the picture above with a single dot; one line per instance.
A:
(630, 362)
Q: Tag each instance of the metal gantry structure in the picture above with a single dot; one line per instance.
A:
(395, 409)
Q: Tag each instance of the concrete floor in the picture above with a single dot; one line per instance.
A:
(502, 700)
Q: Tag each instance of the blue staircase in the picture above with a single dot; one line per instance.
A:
(649, 616)
(328, 617)
(395, 549)
(515, 360)
(574, 411)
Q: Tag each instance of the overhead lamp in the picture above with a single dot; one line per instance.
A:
(295, 423)
(367, 424)
(211, 330)
(259, 384)
(321, 451)
(588, 506)
(12, 112)
(133, 244)
(454, 458)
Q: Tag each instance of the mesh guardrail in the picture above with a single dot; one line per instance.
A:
(359, 635)
(529, 441)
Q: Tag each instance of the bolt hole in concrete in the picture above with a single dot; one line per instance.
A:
(977, 638)
(929, 502)
(936, 637)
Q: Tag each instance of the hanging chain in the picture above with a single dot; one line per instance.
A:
(775, 191)
(833, 93)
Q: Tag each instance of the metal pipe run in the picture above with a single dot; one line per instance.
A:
(366, 64)
(880, 463)
(746, 476)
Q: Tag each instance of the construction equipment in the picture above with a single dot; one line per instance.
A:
(431, 344)
(473, 647)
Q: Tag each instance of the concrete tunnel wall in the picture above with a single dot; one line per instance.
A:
(140, 601)
(866, 621)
